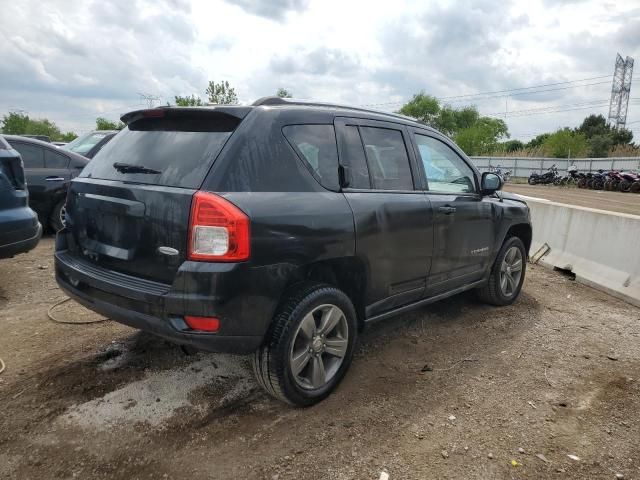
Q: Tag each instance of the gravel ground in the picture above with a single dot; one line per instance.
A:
(611, 201)
(455, 390)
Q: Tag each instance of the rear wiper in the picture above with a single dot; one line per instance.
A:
(129, 168)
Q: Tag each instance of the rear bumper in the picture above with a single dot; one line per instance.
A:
(243, 298)
(31, 237)
(161, 326)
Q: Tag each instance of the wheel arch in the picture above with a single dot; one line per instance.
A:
(348, 274)
(521, 230)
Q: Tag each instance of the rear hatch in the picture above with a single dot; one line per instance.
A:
(128, 211)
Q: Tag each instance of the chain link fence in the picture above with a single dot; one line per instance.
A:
(525, 166)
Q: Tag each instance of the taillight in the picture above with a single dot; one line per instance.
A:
(218, 230)
(202, 324)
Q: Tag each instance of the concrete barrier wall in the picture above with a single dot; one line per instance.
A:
(601, 248)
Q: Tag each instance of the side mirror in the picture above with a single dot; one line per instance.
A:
(490, 183)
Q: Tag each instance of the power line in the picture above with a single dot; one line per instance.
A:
(553, 111)
(504, 91)
(527, 88)
(551, 107)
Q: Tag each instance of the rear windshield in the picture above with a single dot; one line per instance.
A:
(175, 151)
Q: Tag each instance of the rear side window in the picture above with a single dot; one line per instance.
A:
(316, 146)
(175, 150)
(354, 158)
(387, 158)
(85, 143)
(55, 160)
(32, 156)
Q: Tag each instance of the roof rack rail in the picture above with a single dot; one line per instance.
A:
(273, 100)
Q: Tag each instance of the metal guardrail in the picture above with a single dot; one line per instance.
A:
(524, 166)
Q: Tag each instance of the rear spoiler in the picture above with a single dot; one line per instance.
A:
(236, 112)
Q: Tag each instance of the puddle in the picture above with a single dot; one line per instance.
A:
(155, 398)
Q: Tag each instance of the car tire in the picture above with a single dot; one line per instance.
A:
(297, 363)
(503, 287)
(56, 221)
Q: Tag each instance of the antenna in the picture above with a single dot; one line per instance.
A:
(149, 98)
(620, 89)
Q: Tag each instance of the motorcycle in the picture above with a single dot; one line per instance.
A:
(598, 180)
(572, 176)
(550, 176)
(628, 179)
(505, 175)
(612, 183)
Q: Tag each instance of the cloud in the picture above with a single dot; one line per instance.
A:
(320, 61)
(72, 60)
(273, 9)
(100, 52)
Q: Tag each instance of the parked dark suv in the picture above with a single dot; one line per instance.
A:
(281, 229)
(20, 230)
(49, 171)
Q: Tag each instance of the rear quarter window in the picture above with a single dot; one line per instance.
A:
(316, 146)
(32, 155)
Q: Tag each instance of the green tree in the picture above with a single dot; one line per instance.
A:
(601, 136)
(104, 124)
(283, 93)
(482, 137)
(537, 141)
(511, 146)
(476, 135)
(15, 123)
(192, 101)
(221, 93)
(67, 137)
(599, 145)
(18, 123)
(422, 107)
(566, 143)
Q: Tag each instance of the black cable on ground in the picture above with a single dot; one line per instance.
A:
(64, 300)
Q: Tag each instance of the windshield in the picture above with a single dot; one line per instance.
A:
(175, 152)
(85, 142)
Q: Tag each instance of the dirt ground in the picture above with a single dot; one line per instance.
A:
(456, 390)
(611, 201)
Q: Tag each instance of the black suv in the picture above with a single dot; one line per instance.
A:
(49, 171)
(20, 230)
(281, 229)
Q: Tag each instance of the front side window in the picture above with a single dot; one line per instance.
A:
(446, 171)
(316, 146)
(32, 156)
(387, 158)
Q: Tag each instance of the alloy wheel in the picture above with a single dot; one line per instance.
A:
(63, 215)
(511, 272)
(319, 346)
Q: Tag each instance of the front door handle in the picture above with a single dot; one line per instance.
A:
(54, 179)
(447, 210)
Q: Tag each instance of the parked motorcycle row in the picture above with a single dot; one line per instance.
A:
(614, 180)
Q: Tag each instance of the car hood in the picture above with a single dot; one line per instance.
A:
(512, 196)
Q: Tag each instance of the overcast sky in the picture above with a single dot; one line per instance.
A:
(72, 60)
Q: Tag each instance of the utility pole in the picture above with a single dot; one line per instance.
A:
(620, 90)
(149, 98)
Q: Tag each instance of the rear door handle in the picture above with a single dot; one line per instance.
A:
(447, 210)
(54, 179)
